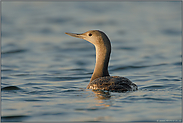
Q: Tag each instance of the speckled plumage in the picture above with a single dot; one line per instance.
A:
(112, 83)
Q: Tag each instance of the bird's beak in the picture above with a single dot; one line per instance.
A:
(75, 35)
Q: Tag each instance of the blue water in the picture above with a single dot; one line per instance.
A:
(44, 73)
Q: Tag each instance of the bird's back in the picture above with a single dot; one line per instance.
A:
(112, 83)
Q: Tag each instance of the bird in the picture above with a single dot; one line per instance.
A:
(100, 79)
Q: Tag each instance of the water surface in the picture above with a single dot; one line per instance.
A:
(45, 72)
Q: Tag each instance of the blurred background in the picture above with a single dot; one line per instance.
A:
(44, 72)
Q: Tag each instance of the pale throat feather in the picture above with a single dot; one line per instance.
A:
(102, 60)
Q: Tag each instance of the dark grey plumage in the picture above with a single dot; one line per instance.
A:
(112, 83)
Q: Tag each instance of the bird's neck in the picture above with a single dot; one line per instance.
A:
(102, 60)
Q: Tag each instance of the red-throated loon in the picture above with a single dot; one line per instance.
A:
(101, 79)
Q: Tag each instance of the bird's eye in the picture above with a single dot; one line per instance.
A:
(90, 34)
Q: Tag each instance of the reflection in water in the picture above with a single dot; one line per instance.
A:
(102, 94)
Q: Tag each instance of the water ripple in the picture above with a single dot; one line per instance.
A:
(14, 118)
(135, 67)
(171, 32)
(14, 51)
(8, 88)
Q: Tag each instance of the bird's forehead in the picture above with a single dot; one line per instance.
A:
(94, 32)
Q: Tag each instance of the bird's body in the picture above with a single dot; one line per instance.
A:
(101, 78)
(112, 83)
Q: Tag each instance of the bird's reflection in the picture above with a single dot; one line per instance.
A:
(100, 94)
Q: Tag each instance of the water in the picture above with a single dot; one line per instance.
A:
(45, 72)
